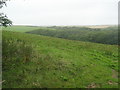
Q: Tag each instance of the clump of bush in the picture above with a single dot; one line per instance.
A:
(15, 52)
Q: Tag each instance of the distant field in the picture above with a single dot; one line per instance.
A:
(101, 26)
(21, 28)
(35, 61)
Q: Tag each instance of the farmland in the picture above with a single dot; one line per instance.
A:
(34, 59)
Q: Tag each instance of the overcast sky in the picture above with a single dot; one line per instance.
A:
(62, 12)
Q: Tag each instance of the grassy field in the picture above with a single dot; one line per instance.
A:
(36, 61)
(21, 28)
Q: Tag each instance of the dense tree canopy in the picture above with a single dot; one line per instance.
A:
(4, 21)
(101, 35)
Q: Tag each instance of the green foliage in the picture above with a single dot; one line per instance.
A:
(106, 36)
(15, 52)
(57, 63)
(4, 21)
(2, 3)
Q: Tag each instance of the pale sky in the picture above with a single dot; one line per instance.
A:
(62, 12)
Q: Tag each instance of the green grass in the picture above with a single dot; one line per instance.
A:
(20, 28)
(57, 63)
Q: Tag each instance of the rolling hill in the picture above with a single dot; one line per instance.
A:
(107, 35)
(36, 61)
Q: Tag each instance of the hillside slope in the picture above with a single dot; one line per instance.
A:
(99, 35)
(32, 61)
(20, 28)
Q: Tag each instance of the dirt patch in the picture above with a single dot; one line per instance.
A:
(114, 74)
(110, 82)
(92, 85)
